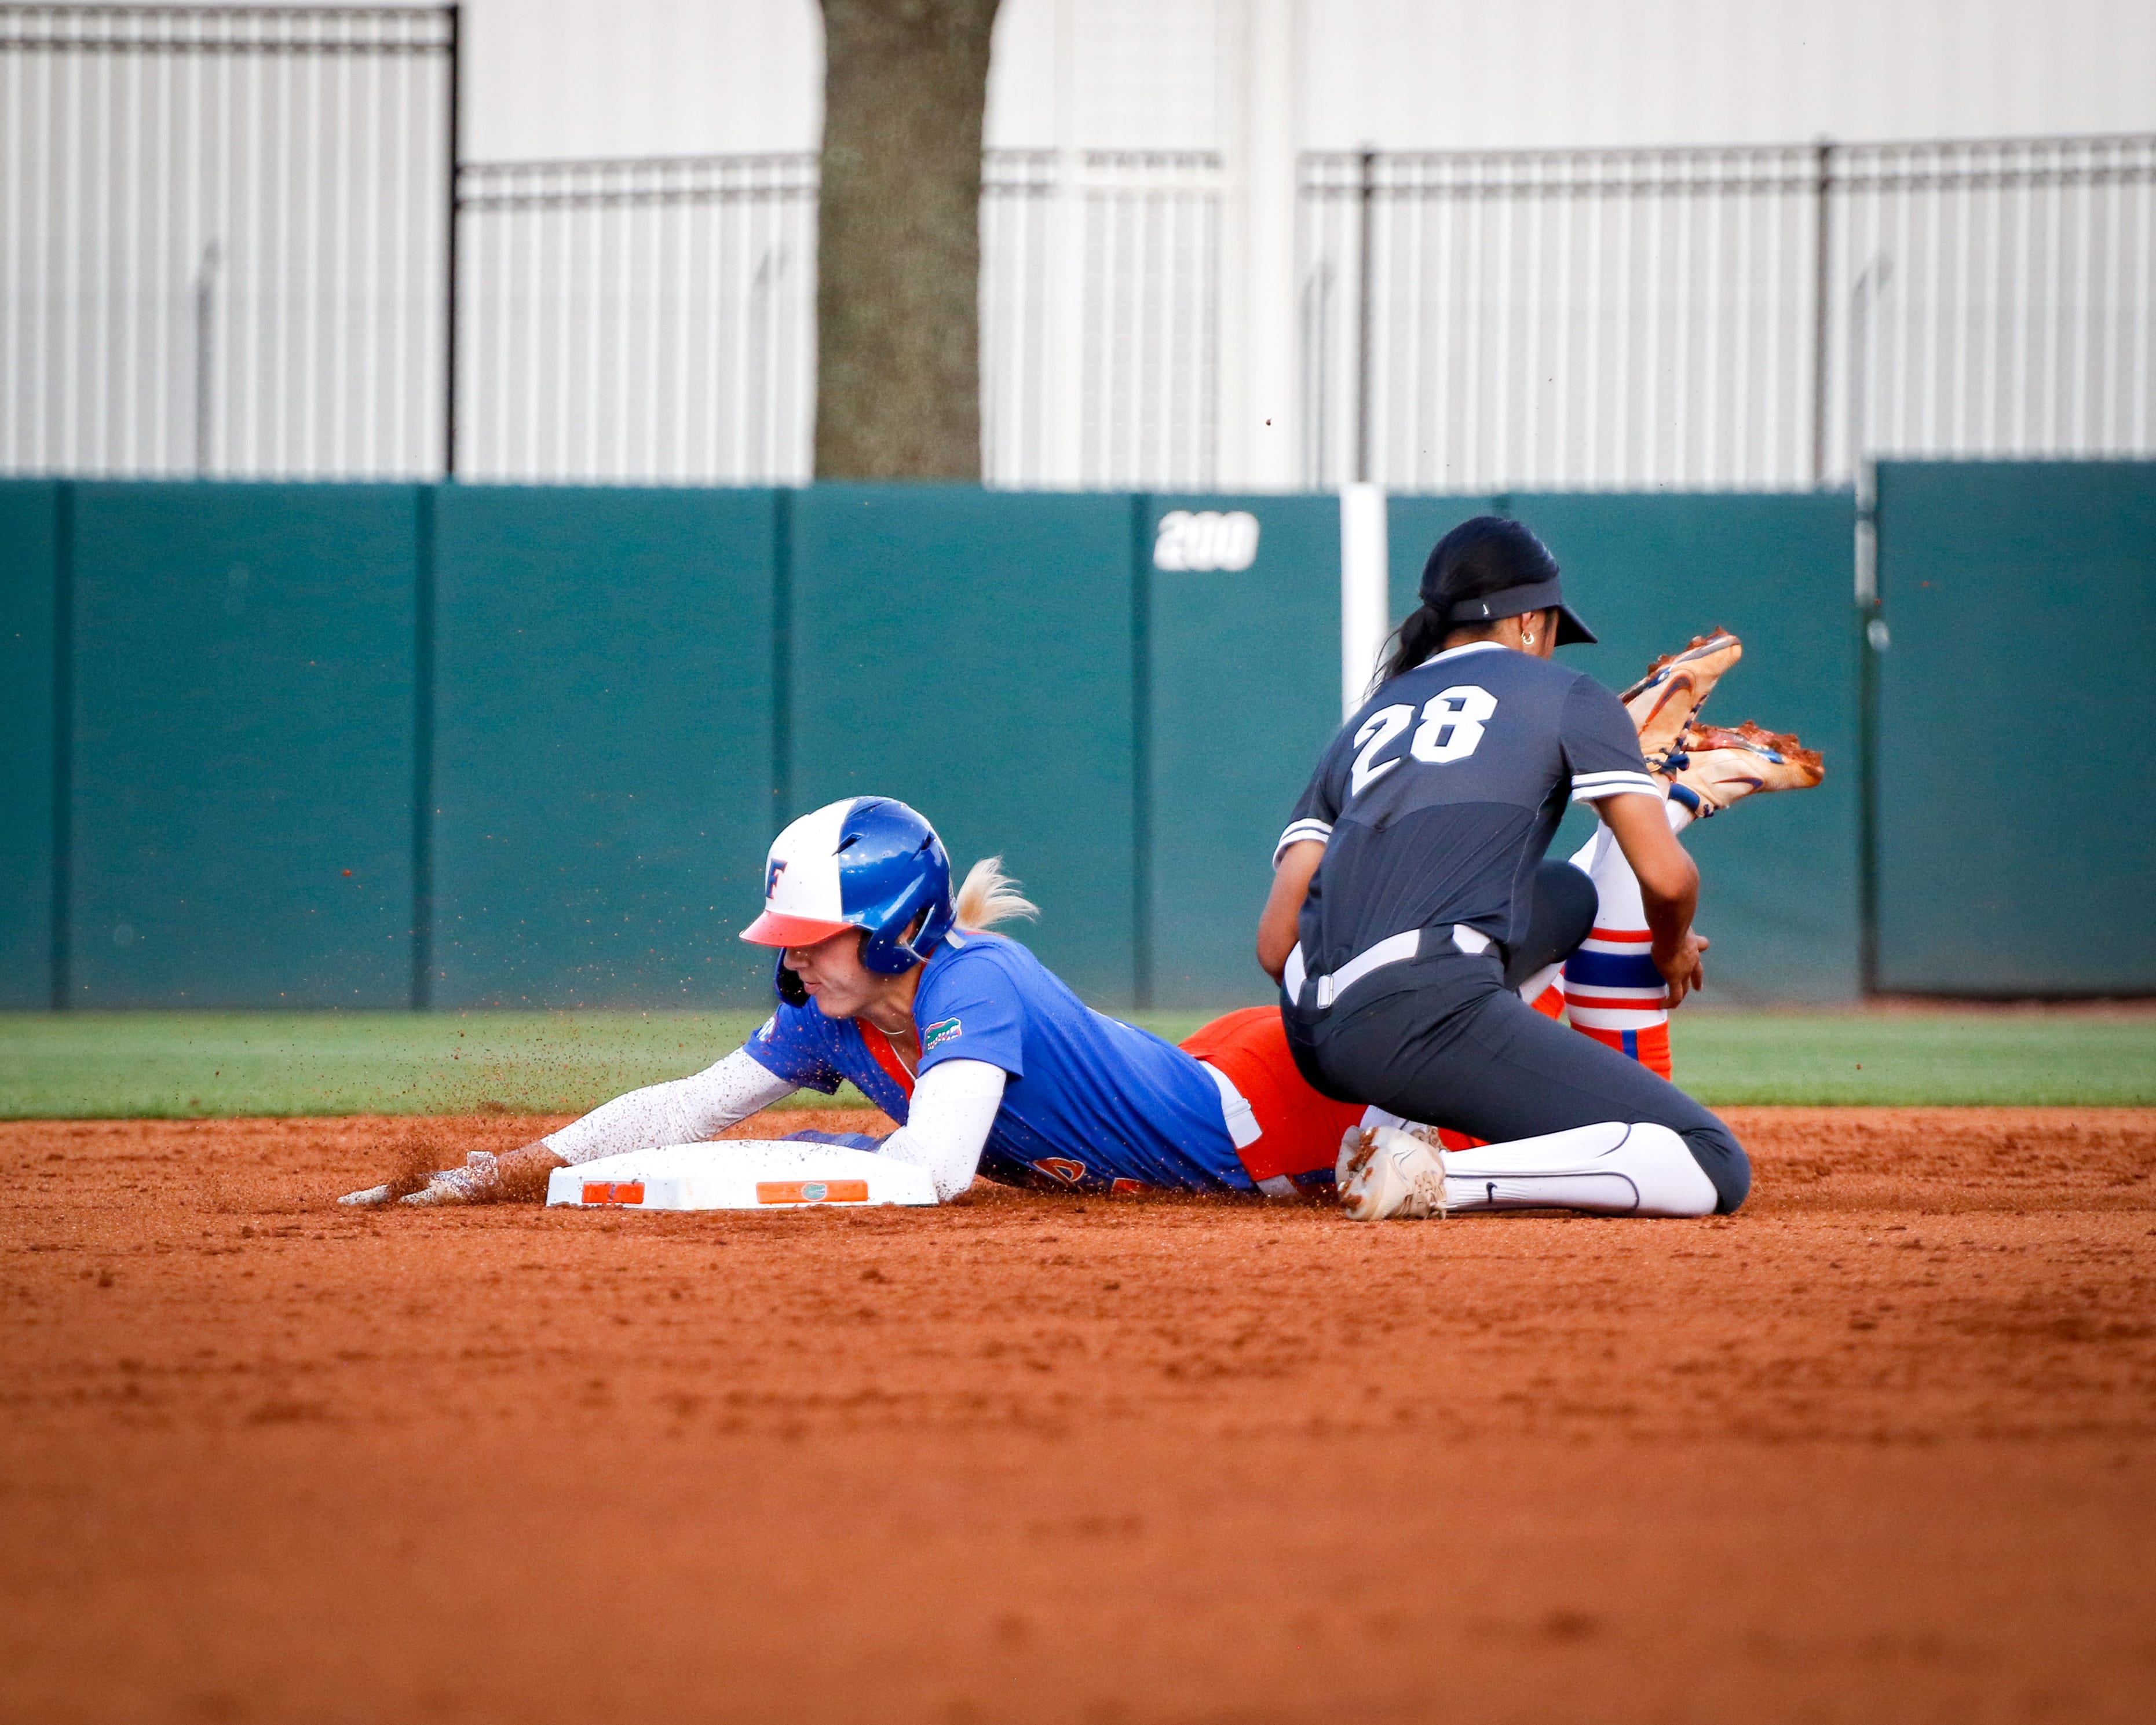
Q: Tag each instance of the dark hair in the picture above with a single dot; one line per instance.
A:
(1484, 555)
(1421, 632)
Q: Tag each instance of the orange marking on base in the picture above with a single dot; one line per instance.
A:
(617, 1192)
(812, 1191)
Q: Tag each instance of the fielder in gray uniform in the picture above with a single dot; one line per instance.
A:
(1410, 885)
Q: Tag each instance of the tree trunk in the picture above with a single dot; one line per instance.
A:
(898, 238)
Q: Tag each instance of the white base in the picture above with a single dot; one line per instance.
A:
(741, 1175)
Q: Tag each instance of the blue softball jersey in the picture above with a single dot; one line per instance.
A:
(1090, 1102)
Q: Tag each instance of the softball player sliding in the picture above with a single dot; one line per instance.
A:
(993, 1067)
(1410, 901)
(990, 1063)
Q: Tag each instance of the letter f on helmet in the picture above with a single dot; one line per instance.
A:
(870, 863)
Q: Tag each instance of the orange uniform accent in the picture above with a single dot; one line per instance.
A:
(1300, 1130)
(1650, 1047)
(884, 1055)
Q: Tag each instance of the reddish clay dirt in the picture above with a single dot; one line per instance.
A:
(1882, 1447)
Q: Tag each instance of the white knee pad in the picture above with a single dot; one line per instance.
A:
(1612, 1170)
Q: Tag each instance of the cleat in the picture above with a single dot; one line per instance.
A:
(1383, 1173)
(367, 1195)
(1715, 768)
(1663, 702)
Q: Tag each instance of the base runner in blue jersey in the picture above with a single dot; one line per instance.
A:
(990, 1064)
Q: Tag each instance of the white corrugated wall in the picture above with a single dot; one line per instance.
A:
(632, 77)
(1153, 298)
(1254, 82)
(1456, 74)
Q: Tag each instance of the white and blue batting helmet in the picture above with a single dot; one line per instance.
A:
(863, 862)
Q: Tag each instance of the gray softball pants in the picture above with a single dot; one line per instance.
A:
(1443, 1039)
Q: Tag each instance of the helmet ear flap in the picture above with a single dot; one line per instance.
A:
(888, 951)
(942, 918)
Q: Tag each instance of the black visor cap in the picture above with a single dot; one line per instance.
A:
(1518, 601)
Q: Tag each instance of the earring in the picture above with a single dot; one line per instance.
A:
(1527, 638)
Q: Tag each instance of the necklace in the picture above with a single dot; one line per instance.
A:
(912, 1067)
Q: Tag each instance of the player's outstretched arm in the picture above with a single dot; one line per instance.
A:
(682, 1111)
(947, 1123)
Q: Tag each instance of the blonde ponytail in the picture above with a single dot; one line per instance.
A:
(990, 896)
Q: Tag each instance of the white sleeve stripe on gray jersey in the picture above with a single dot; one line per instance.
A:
(1298, 832)
(1592, 787)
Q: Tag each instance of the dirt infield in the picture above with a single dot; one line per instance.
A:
(1882, 1447)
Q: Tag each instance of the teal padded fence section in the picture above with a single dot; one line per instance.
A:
(971, 652)
(29, 522)
(632, 689)
(602, 746)
(1780, 882)
(2016, 853)
(242, 786)
(1245, 693)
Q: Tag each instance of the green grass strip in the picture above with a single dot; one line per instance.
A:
(112, 1066)
(1910, 1060)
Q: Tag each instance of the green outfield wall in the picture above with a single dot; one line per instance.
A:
(488, 746)
(2016, 854)
(31, 602)
(602, 756)
(244, 703)
(970, 652)
(1242, 694)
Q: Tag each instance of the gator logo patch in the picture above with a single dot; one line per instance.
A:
(942, 1031)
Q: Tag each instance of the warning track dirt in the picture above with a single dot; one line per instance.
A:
(1882, 1446)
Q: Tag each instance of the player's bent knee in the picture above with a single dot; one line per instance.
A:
(1722, 1160)
(1669, 1177)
